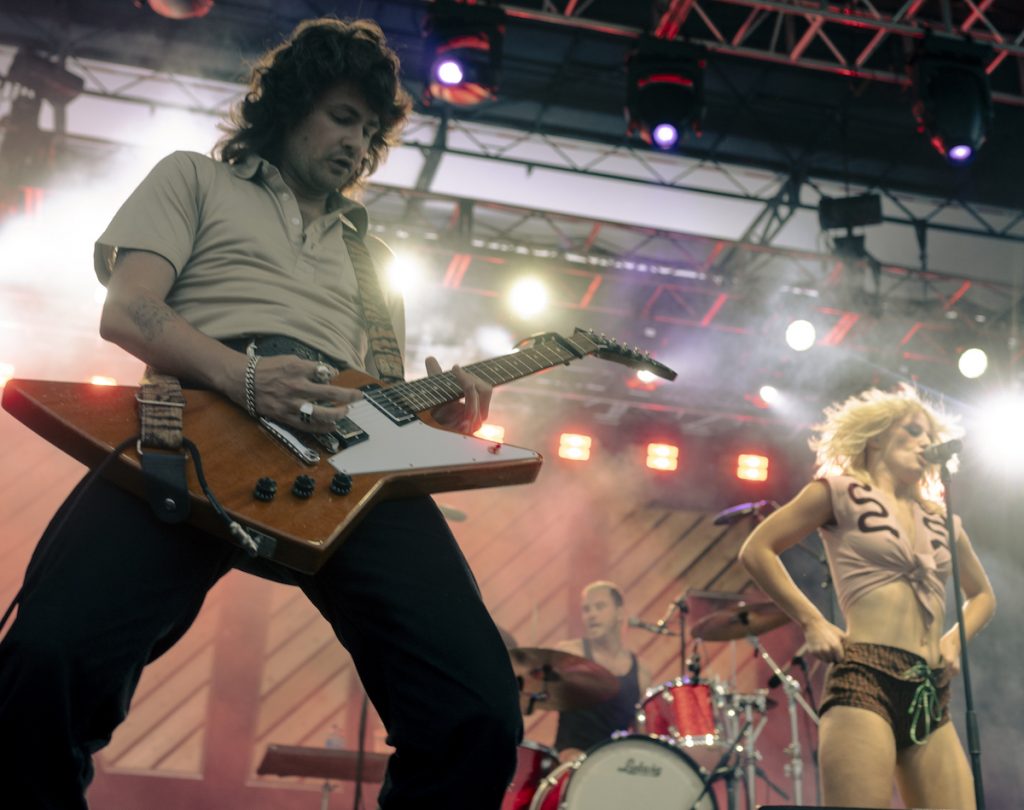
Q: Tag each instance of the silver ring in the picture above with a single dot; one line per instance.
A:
(306, 412)
(323, 373)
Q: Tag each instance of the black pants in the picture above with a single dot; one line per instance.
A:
(116, 588)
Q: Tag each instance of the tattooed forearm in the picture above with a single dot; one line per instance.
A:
(150, 317)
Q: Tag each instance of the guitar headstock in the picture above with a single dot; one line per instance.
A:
(609, 349)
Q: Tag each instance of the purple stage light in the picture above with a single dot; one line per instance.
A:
(960, 153)
(449, 72)
(665, 136)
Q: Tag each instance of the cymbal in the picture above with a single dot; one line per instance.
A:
(323, 763)
(553, 680)
(739, 621)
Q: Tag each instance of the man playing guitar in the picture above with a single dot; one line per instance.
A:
(259, 251)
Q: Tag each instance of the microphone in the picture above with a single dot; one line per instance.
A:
(650, 628)
(941, 453)
(736, 513)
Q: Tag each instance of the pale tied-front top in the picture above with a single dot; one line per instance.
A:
(867, 549)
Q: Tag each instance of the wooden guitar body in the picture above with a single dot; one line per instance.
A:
(388, 446)
(89, 421)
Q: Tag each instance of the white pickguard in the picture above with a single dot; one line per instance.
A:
(415, 446)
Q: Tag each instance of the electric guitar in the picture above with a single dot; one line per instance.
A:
(386, 447)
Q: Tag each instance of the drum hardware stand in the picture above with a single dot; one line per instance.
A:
(794, 697)
(720, 771)
(973, 740)
(748, 758)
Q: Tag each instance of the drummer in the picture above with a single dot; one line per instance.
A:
(603, 614)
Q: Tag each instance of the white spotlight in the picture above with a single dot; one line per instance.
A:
(646, 377)
(800, 335)
(999, 433)
(405, 273)
(972, 363)
(528, 297)
(769, 393)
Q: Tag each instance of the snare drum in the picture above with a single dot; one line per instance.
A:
(684, 710)
(533, 762)
(626, 773)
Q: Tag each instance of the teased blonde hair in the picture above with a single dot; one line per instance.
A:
(841, 439)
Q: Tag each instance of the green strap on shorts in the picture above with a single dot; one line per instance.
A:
(924, 708)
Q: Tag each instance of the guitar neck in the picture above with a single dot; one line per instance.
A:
(430, 392)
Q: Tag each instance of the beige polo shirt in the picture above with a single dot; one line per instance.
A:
(244, 264)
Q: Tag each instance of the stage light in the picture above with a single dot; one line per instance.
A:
(665, 90)
(491, 432)
(449, 72)
(961, 153)
(665, 136)
(849, 212)
(6, 372)
(646, 377)
(769, 394)
(462, 52)
(800, 335)
(751, 467)
(954, 101)
(528, 297)
(99, 379)
(663, 457)
(181, 9)
(998, 433)
(405, 273)
(574, 446)
(973, 363)
(47, 79)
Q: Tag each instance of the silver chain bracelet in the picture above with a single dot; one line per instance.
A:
(250, 384)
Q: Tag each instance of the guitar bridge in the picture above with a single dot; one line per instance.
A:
(307, 455)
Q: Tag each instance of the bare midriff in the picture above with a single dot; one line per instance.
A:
(891, 615)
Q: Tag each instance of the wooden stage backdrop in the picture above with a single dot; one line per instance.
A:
(261, 666)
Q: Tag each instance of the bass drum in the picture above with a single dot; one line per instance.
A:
(626, 773)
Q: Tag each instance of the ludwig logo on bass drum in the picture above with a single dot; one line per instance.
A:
(634, 768)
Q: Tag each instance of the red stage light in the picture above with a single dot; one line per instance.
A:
(574, 446)
(181, 9)
(663, 457)
(99, 379)
(751, 467)
(493, 433)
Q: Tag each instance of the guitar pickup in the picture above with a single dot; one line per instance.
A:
(348, 433)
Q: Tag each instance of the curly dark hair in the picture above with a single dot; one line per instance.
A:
(287, 81)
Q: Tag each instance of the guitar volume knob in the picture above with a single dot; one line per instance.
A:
(341, 484)
(266, 489)
(303, 486)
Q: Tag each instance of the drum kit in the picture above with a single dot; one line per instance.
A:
(678, 725)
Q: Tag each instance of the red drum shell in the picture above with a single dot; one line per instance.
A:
(682, 710)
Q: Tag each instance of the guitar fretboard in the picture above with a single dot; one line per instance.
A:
(430, 392)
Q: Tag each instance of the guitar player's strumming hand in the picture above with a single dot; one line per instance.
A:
(284, 383)
(469, 414)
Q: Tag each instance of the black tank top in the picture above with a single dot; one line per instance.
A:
(585, 728)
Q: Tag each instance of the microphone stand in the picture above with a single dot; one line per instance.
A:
(973, 740)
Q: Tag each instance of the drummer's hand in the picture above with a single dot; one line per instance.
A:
(949, 649)
(824, 640)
